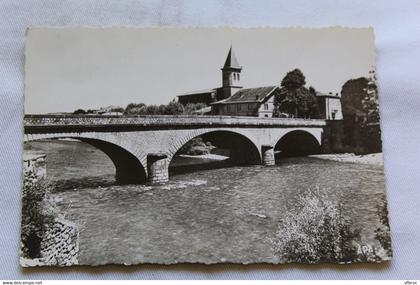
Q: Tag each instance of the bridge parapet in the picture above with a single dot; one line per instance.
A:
(32, 122)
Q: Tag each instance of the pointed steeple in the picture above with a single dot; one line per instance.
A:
(231, 61)
(231, 75)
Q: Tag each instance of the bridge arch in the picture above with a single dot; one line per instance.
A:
(242, 148)
(297, 143)
(128, 167)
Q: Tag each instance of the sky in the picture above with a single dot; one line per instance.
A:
(71, 68)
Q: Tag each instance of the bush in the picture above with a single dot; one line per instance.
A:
(118, 109)
(382, 233)
(134, 109)
(174, 108)
(316, 233)
(36, 214)
(191, 107)
(79, 112)
(153, 110)
(196, 146)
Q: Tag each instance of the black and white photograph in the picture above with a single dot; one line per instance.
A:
(202, 145)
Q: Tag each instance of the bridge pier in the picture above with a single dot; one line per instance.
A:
(267, 152)
(157, 168)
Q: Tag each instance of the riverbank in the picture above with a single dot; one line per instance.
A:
(206, 156)
(372, 158)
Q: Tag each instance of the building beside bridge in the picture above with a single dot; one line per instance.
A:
(329, 106)
(255, 102)
(231, 99)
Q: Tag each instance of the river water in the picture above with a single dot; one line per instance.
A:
(228, 213)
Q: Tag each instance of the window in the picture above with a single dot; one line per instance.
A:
(249, 106)
(228, 107)
(238, 107)
(237, 76)
(265, 106)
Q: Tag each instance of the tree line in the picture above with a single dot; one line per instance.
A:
(293, 100)
(173, 108)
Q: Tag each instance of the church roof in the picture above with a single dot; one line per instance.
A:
(231, 61)
(257, 94)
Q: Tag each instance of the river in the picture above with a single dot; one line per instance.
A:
(228, 213)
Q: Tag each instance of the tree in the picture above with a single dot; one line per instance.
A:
(312, 104)
(312, 90)
(191, 107)
(196, 146)
(360, 104)
(133, 108)
(153, 110)
(117, 109)
(285, 104)
(294, 79)
(161, 109)
(352, 94)
(370, 103)
(294, 99)
(79, 112)
(174, 108)
(370, 126)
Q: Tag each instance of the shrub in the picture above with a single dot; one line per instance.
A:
(382, 233)
(318, 232)
(153, 110)
(174, 108)
(196, 146)
(79, 112)
(118, 109)
(191, 107)
(134, 109)
(36, 214)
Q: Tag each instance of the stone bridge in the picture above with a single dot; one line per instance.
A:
(142, 147)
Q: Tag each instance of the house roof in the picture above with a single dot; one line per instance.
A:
(231, 61)
(248, 95)
(202, 110)
(203, 91)
(330, 94)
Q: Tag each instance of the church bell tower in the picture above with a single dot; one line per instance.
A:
(231, 72)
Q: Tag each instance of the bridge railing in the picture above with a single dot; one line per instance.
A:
(164, 120)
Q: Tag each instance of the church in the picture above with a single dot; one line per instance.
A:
(233, 100)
